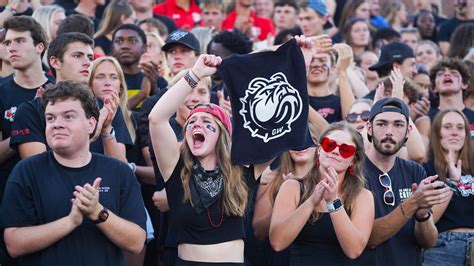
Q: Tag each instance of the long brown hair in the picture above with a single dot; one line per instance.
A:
(235, 189)
(437, 153)
(352, 184)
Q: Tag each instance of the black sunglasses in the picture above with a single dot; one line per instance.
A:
(352, 117)
(388, 195)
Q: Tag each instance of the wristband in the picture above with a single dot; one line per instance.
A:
(424, 219)
(191, 79)
(403, 212)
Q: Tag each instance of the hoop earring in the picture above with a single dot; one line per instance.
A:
(351, 170)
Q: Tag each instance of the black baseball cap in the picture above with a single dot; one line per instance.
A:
(389, 105)
(182, 37)
(395, 51)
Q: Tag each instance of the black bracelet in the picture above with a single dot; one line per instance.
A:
(421, 220)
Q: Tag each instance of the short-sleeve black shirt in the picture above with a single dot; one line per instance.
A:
(39, 191)
(402, 248)
(12, 96)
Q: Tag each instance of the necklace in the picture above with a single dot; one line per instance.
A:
(222, 216)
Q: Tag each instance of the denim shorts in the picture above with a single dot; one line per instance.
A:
(452, 248)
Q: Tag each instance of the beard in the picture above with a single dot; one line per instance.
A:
(381, 145)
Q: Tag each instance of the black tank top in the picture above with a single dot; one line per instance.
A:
(317, 244)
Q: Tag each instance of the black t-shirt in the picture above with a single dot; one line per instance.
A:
(39, 191)
(11, 97)
(328, 107)
(31, 125)
(466, 111)
(194, 228)
(460, 211)
(103, 43)
(402, 248)
(447, 28)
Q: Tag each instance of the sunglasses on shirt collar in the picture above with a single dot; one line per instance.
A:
(388, 195)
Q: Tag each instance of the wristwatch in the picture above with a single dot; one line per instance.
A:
(111, 135)
(103, 216)
(334, 206)
(424, 219)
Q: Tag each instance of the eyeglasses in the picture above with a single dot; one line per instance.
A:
(345, 150)
(388, 196)
(352, 117)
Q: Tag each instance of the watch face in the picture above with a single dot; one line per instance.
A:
(103, 215)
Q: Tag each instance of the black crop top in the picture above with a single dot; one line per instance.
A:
(194, 228)
(460, 211)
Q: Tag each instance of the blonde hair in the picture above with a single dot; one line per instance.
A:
(127, 115)
(235, 189)
(44, 16)
(112, 17)
(162, 59)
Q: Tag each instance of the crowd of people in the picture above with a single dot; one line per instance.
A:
(246, 132)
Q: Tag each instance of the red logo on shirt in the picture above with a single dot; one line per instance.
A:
(324, 112)
(10, 114)
(25, 131)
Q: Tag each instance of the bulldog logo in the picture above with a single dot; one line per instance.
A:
(270, 106)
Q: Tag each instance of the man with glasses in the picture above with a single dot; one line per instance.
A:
(402, 192)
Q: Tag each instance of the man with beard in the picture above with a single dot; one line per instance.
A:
(403, 194)
(128, 44)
